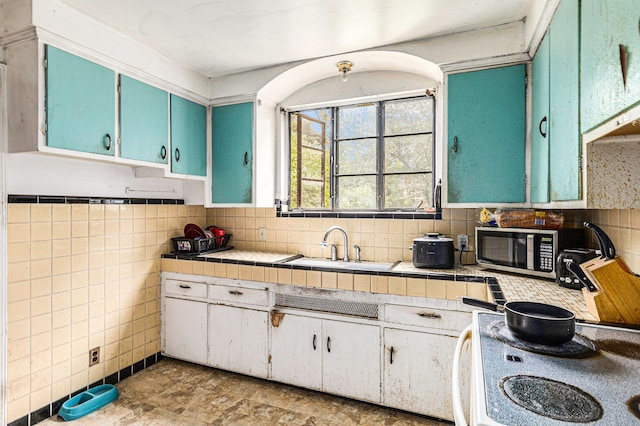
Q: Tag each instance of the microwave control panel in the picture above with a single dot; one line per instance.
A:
(545, 259)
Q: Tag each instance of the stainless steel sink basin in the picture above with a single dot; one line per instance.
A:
(339, 264)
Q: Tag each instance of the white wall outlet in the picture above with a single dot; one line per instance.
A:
(463, 241)
(262, 234)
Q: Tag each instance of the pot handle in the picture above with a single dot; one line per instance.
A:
(480, 304)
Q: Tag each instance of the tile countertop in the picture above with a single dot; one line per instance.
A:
(514, 287)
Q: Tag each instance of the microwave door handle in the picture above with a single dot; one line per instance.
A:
(530, 252)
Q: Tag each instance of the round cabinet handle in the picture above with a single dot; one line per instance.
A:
(246, 158)
(163, 152)
(455, 144)
(391, 357)
(543, 121)
(106, 141)
(328, 344)
(429, 315)
(314, 342)
(184, 286)
(177, 155)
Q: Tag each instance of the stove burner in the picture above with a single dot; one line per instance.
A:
(620, 347)
(634, 406)
(578, 347)
(552, 399)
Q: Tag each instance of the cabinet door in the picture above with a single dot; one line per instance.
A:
(605, 25)
(540, 124)
(238, 340)
(232, 154)
(185, 330)
(188, 137)
(80, 104)
(351, 360)
(144, 121)
(486, 136)
(296, 351)
(564, 77)
(417, 372)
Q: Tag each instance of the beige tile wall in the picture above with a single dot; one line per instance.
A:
(623, 226)
(380, 239)
(82, 276)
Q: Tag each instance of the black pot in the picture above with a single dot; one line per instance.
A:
(433, 251)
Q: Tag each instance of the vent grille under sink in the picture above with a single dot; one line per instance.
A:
(358, 309)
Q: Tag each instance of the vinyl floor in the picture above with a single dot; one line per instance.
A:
(174, 392)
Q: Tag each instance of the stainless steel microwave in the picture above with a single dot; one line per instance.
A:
(524, 251)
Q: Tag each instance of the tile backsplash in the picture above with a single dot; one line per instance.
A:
(82, 276)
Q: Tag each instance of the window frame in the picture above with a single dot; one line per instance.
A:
(380, 145)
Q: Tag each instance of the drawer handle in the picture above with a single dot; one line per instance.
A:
(432, 315)
(184, 286)
(314, 342)
(236, 292)
(391, 357)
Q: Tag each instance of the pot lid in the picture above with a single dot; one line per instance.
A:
(433, 236)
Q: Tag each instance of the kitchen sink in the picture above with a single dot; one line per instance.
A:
(339, 264)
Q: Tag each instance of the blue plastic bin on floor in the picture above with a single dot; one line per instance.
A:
(88, 401)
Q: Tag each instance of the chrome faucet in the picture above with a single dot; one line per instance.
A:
(346, 240)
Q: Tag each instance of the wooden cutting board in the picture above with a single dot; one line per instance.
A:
(617, 299)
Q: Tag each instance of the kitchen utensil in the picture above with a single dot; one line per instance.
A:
(577, 272)
(193, 231)
(606, 245)
(433, 251)
(533, 321)
(566, 277)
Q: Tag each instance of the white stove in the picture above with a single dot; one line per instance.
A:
(594, 379)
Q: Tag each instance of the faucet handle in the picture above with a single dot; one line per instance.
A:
(357, 249)
(324, 244)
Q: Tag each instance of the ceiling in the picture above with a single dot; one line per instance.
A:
(221, 37)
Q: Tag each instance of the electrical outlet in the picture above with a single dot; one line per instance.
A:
(94, 356)
(262, 234)
(463, 240)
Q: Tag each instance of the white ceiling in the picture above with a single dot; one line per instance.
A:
(220, 37)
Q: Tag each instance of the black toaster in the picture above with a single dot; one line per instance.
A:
(564, 277)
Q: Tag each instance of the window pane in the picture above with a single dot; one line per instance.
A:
(357, 121)
(357, 157)
(311, 164)
(312, 196)
(407, 191)
(357, 192)
(409, 116)
(407, 153)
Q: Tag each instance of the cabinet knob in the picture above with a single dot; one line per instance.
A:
(177, 155)
(455, 144)
(163, 152)
(106, 141)
(543, 121)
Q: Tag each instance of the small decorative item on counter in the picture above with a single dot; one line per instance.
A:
(529, 218)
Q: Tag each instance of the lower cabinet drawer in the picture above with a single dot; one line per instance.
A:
(250, 296)
(185, 288)
(427, 317)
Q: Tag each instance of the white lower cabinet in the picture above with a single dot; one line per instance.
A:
(338, 357)
(239, 340)
(185, 330)
(417, 372)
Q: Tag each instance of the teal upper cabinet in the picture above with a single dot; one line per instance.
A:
(486, 136)
(564, 109)
(80, 104)
(232, 154)
(188, 137)
(539, 189)
(610, 39)
(144, 121)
